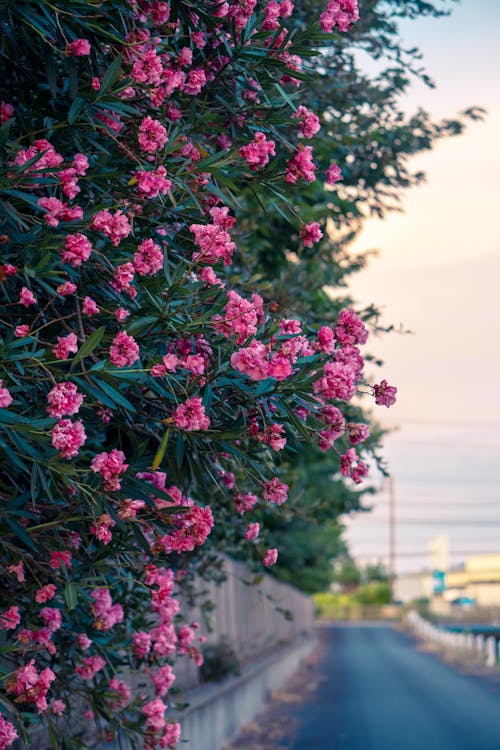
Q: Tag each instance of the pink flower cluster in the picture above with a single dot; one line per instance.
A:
(214, 242)
(275, 491)
(106, 614)
(110, 466)
(115, 226)
(334, 419)
(64, 400)
(385, 394)
(68, 437)
(90, 666)
(301, 165)
(340, 14)
(350, 329)
(191, 416)
(101, 529)
(152, 183)
(352, 466)
(240, 317)
(77, 248)
(5, 397)
(309, 122)
(274, 11)
(29, 686)
(7, 731)
(148, 259)
(257, 152)
(124, 350)
(152, 135)
(310, 233)
(65, 346)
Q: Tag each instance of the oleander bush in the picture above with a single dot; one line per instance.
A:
(147, 389)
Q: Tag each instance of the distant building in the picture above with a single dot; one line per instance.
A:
(479, 580)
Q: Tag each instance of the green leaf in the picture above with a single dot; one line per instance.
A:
(160, 452)
(22, 535)
(88, 346)
(115, 395)
(75, 109)
(71, 595)
(111, 76)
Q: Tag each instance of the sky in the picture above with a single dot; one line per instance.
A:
(437, 274)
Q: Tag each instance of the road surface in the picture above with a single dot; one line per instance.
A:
(376, 691)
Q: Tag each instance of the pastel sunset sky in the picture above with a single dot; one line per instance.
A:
(438, 274)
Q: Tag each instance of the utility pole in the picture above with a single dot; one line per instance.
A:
(392, 536)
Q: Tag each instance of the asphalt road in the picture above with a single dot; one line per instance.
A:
(376, 691)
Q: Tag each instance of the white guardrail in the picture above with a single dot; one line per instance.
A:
(483, 646)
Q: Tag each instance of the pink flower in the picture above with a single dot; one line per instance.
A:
(124, 350)
(148, 259)
(271, 557)
(57, 211)
(78, 48)
(252, 531)
(272, 437)
(121, 693)
(350, 329)
(65, 345)
(6, 112)
(195, 81)
(52, 618)
(101, 529)
(129, 509)
(358, 432)
(60, 557)
(5, 397)
(240, 318)
(310, 233)
(105, 612)
(141, 644)
(124, 274)
(336, 382)
(45, 593)
(333, 174)
(385, 394)
(115, 226)
(257, 152)
(77, 248)
(153, 183)
(80, 164)
(309, 122)
(64, 400)
(191, 415)
(246, 502)
(89, 307)
(7, 731)
(27, 297)
(21, 331)
(121, 314)
(252, 361)
(155, 715)
(301, 165)
(163, 680)
(58, 707)
(275, 491)
(67, 288)
(326, 339)
(110, 466)
(147, 68)
(68, 437)
(171, 736)
(83, 641)
(152, 135)
(91, 666)
(10, 619)
(280, 366)
(18, 571)
(351, 466)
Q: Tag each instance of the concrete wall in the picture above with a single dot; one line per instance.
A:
(217, 712)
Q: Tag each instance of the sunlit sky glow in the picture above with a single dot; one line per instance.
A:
(437, 273)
